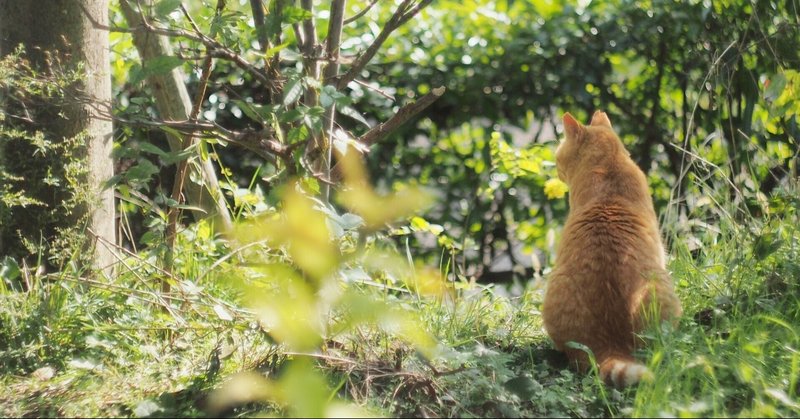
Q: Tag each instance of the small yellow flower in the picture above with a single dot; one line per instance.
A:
(554, 188)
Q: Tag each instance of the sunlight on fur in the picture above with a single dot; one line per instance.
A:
(610, 266)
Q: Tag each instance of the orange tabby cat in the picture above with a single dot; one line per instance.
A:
(610, 268)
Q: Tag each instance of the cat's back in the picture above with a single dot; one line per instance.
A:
(608, 241)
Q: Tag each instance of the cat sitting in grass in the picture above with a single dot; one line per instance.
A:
(610, 277)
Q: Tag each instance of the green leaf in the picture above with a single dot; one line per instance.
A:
(775, 88)
(258, 113)
(274, 50)
(142, 171)
(292, 92)
(293, 115)
(171, 131)
(352, 113)
(165, 7)
(524, 387)
(9, 269)
(297, 134)
(136, 75)
(766, 244)
(161, 65)
(329, 95)
(203, 150)
(176, 156)
(150, 148)
(292, 15)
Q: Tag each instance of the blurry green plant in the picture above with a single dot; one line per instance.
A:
(305, 286)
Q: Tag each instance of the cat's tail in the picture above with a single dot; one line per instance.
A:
(623, 370)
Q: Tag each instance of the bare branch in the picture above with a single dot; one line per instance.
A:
(298, 34)
(273, 65)
(311, 62)
(334, 37)
(374, 89)
(402, 15)
(331, 70)
(258, 17)
(402, 116)
(180, 173)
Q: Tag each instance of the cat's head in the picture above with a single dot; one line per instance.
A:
(586, 146)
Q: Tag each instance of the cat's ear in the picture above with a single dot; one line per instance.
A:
(600, 119)
(571, 126)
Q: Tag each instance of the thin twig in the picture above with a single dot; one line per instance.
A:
(361, 13)
(374, 89)
(402, 15)
(215, 48)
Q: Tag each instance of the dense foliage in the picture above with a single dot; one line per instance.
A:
(378, 297)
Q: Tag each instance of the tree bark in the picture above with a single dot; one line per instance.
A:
(173, 103)
(59, 33)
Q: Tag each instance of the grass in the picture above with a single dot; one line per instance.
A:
(73, 347)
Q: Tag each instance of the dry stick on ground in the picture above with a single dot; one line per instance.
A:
(403, 14)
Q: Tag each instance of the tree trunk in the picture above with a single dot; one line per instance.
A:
(174, 104)
(57, 35)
